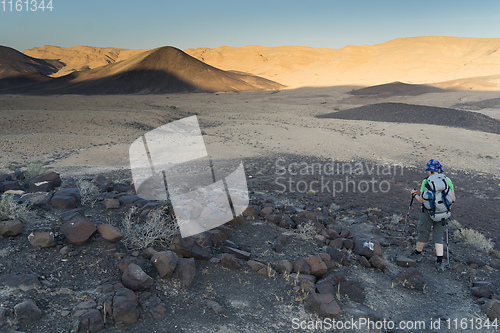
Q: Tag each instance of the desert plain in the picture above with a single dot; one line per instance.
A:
(402, 103)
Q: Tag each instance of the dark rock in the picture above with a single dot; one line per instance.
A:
(324, 305)
(404, 261)
(27, 311)
(78, 230)
(109, 233)
(23, 282)
(67, 216)
(152, 306)
(237, 220)
(286, 222)
(11, 186)
(256, 266)
(42, 239)
(103, 183)
(249, 212)
(185, 271)
(367, 248)
(90, 320)
(492, 309)
(318, 267)
(364, 262)
(11, 228)
(411, 278)
(204, 239)
(63, 201)
(337, 243)
(337, 255)
(218, 237)
(70, 192)
(273, 219)
(348, 244)
(49, 177)
(190, 248)
(284, 266)
(333, 278)
(276, 246)
(474, 262)
(128, 260)
(353, 290)
(363, 311)
(240, 254)
(230, 261)
(165, 262)
(266, 211)
(134, 278)
(38, 199)
(301, 266)
(111, 203)
(378, 262)
(3, 315)
(495, 263)
(129, 200)
(213, 305)
(303, 277)
(119, 304)
(482, 289)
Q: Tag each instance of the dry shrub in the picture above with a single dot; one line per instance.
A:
(34, 169)
(9, 209)
(306, 231)
(474, 238)
(88, 191)
(156, 228)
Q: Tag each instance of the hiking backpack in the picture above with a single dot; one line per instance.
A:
(437, 197)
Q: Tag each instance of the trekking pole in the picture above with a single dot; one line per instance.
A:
(407, 215)
(447, 247)
(406, 220)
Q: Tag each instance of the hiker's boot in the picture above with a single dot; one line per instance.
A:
(440, 266)
(418, 257)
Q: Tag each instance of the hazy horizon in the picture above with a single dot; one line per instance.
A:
(325, 24)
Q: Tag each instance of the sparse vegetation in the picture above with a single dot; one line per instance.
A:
(88, 190)
(474, 238)
(155, 228)
(34, 169)
(9, 209)
(306, 231)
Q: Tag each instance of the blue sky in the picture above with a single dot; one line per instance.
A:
(213, 23)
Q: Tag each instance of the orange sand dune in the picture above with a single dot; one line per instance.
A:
(81, 57)
(446, 62)
(162, 70)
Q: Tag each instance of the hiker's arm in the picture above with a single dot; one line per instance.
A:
(453, 196)
(417, 196)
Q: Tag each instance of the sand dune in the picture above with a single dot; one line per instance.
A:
(446, 62)
(14, 63)
(81, 57)
(162, 70)
(420, 60)
(420, 114)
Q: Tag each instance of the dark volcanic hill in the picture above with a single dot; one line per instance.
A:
(13, 63)
(396, 89)
(419, 114)
(162, 70)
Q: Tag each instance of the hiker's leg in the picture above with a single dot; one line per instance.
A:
(437, 235)
(439, 249)
(423, 229)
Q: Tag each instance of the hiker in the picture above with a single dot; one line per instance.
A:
(425, 222)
